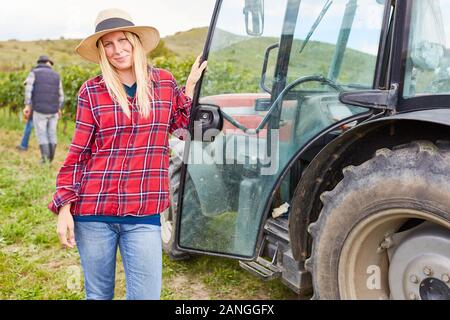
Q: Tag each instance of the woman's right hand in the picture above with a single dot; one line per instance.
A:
(65, 227)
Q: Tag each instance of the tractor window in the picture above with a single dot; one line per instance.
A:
(428, 61)
(337, 40)
(236, 57)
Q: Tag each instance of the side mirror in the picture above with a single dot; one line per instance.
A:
(254, 17)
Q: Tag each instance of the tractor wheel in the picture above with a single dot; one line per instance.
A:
(384, 231)
(168, 217)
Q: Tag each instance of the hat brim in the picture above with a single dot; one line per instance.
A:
(87, 48)
(44, 61)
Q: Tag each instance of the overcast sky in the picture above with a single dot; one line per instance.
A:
(51, 19)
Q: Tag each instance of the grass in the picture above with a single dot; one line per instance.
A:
(33, 265)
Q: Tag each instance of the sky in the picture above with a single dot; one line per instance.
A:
(51, 19)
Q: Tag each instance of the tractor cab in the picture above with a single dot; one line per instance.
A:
(302, 100)
(275, 72)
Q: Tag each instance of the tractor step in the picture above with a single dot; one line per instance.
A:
(264, 270)
(278, 228)
(275, 259)
(275, 230)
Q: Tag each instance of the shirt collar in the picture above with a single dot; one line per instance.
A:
(101, 81)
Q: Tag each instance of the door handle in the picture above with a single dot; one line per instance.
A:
(208, 118)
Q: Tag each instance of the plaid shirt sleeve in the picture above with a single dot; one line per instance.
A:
(181, 109)
(29, 85)
(61, 95)
(69, 176)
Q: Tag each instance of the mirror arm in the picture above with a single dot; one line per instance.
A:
(373, 99)
(262, 83)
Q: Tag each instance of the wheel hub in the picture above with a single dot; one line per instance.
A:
(434, 289)
(420, 264)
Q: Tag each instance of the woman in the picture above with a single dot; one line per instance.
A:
(114, 182)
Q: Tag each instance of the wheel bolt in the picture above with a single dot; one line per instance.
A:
(427, 271)
(445, 278)
(414, 278)
(412, 296)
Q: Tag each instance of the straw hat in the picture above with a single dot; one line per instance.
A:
(112, 20)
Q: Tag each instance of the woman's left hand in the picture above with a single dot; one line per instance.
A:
(196, 72)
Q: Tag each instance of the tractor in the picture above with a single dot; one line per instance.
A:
(318, 150)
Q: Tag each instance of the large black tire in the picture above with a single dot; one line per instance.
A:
(168, 217)
(410, 177)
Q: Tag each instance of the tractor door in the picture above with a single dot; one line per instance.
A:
(275, 70)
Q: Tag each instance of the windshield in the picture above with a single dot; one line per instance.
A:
(338, 40)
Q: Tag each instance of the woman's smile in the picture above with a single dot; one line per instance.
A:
(121, 59)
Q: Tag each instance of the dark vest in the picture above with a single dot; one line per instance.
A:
(45, 95)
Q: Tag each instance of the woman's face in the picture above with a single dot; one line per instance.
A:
(118, 50)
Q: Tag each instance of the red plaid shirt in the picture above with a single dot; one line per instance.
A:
(118, 166)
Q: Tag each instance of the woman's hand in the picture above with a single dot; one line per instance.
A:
(194, 76)
(66, 224)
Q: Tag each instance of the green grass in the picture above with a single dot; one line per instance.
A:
(33, 265)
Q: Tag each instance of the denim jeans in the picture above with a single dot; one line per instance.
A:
(141, 250)
(26, 134)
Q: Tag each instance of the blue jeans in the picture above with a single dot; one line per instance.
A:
(26, 134)
(141, 251)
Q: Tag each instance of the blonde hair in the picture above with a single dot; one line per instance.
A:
(144, 91)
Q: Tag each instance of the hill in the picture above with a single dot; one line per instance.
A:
(238, 50)
(187, 43)
(19, 55)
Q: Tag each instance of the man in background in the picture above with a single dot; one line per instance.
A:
(44, 96)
